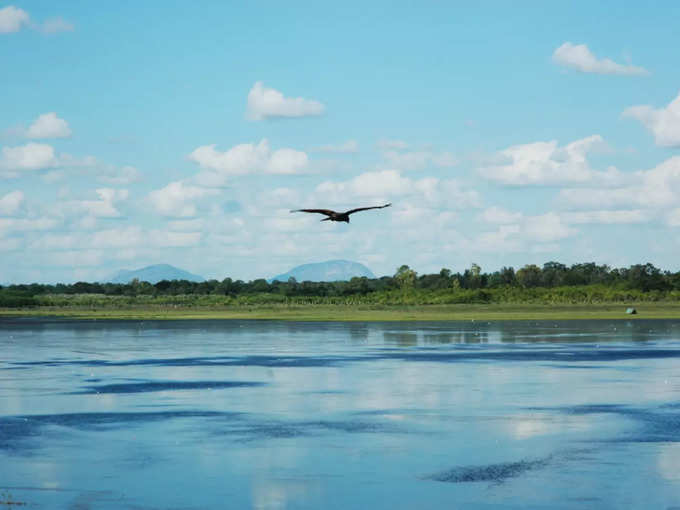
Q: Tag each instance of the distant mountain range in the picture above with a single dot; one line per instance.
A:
(329, 271)
(155, 274)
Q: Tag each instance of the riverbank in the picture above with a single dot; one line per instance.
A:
(477, 312)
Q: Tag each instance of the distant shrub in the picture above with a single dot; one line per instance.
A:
(13, 299)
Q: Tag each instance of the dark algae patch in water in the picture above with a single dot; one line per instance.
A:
(495, 473)
(6, 499)
(150, 386)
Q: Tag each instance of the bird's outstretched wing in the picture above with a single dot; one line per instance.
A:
(366, 208)
(327, 212)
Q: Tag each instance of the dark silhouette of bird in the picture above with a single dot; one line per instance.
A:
(339, 216)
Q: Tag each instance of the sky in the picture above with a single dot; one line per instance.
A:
(503, 134)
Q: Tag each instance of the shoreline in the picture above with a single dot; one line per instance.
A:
(343, 313)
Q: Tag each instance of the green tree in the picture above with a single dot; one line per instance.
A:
(553, 274)
(529, 276)
(405, 277)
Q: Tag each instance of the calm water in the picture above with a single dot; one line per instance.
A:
(240, 414)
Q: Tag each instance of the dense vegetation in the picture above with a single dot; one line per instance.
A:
(552, 283)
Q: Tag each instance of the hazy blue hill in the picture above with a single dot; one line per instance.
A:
(329, 271)
(154, 274)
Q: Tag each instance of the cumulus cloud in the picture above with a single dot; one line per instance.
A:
(89, 165)
(283, 198)
(11, 203)
(385, 184)
(534, 233)
(546, 227)
(104, 206)
(245, 159)
(545, 163)
(348, 147)
(177, 199)
(12, 19)
(19, 225)
(607, 217)
(657, 188)
(32, 156)
(580, 58)
(132, 237)
(48, 125)
(664, 123)
(413, 214)
(499, 216)
(137, 237)
(265, 102)
(673, 218)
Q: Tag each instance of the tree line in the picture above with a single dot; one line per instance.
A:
(471, 285)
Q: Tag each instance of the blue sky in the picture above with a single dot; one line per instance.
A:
(149, 132)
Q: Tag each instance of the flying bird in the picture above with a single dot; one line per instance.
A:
(339, 216)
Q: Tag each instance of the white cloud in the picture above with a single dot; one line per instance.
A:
(177, 199)
(104, 207)
(57, 242)
(56, 25)
(544, 163)
(12, 19)
(168, 239)
(423, 218)
(390, 183)
(284, 198)
(132, 239)
(188, 225)
(89, 165)
(11, 203)
(348, 147)
(500, 216)
(136, 237)
(11, 244)
(657, 188)
(265, 102)
(523, 234)
(26, 224)
(579, 57)
(371, 184)
(244, 159)
(72, 258)
(83, 214)
(673, 218)
(284, 222)
(32, 156)
(505, 239)
(664, 123)
(546, 227)
(287, 161)
(48, 125)
(607, 217)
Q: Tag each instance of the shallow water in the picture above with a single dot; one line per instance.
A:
(248, 414)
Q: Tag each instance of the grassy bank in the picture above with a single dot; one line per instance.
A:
(478, 312)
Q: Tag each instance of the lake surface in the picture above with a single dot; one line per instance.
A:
(248, 414)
